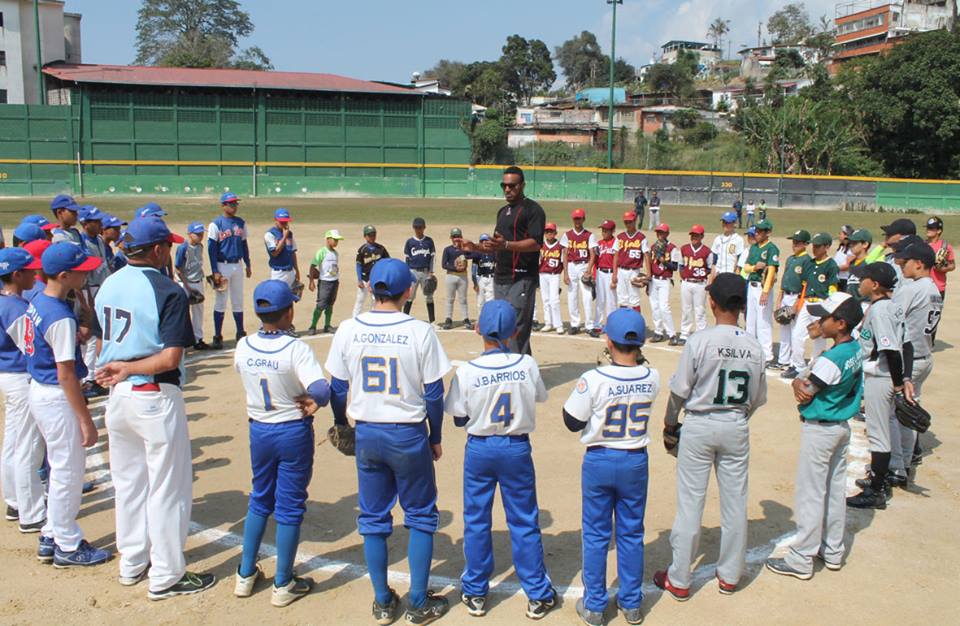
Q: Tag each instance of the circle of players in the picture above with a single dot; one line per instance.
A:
(879, 304)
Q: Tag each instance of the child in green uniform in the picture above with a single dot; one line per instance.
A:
(791, 286)
(819, 281)
(860, 242)
(325, 268)
(829, 396)
(761, 266)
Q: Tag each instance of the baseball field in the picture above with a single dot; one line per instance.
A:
(902, 565)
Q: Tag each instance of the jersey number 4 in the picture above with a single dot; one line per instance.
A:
(738, 380)
(618, 415)
(501, 410)
(380, 375)
(111, 315)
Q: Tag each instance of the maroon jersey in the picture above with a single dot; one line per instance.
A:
(696, 263)
(606, 250)
(658, 268)
(578, 245)
(630, 254)
(550, 258)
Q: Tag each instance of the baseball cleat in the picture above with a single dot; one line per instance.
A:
(46, 549)
(547, 329)
(217, 342)
(594, 332)
(790, 373)
(537, 609)
(130, 581)
(780, 566)
(631, 616)
(84, 556)
(726, 588)
(201, 345)
(476, 605)
(537, 326)
(574, 330)
(660, 579)
(12, 515)
(312, 331)
(674, 341)
(560, 330)
(291, 592)
(433, 608)
(188, 585)
(869, 498)
(447, 324)
(833, 567)
(385, 614)
(243, 587)
(682, 342)
(591, 618)
(467, 324)
(35, 527)
(771, 365)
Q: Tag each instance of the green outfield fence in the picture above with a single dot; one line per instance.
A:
(195, 143)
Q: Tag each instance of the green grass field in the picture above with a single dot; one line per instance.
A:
(335, 212)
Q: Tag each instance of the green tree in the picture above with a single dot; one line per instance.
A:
(196, 33)
(526, 68)
(488, 138)
(686, 118)
(482, 83)
(717, 31)
(581, 60)
(449, 73)
(790, 25)
(677, 78)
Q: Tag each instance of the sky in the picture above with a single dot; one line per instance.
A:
(391, 39)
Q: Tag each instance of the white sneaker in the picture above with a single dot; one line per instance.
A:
(560, 330)
(130, 581)
(243, 588)
(291, 592)
(546, 329)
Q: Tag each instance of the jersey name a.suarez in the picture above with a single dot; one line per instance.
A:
(615, 402)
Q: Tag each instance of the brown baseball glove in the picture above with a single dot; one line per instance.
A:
(641, 280)
(785, 314)
(343, 437)
(194, 296)
(218, 285)
(942, 258)
(460, 263)
(297, 288)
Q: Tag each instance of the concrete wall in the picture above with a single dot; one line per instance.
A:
(18, 41)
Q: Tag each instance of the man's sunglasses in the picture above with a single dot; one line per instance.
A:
(506, 186)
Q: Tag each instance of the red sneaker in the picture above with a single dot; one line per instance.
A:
(661, 580)
(725, 587)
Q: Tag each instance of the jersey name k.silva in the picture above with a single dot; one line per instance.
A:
(606, 252)
(498, 391)
(275, 370)
(696, 263)
(550, 258)
(387, 358)
(615, 402)
(578, 245)
(631, 249)
(721, 370)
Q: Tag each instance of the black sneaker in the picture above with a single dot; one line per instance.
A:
(327, 330)
(574, 330)
(241, 334)
(387, 613)
(658, 338)
(433, 608)
(468, 324)
(188, 585)
(896, 480)
(12, 515)
(674, 341)
(790, 373)
(447, 324)
(217, 342)
(771, 364)
(476, 605)
(537, 609)
(536, 326)
(27, 529)
(868, 499)
(683, 342)
(201, 345)
(312, 331)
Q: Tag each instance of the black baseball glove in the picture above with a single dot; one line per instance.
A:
(430, 286)
(671, 439)
(194, 296)
(297, 288)
(785, 314)
(912, 416)
(343, 437)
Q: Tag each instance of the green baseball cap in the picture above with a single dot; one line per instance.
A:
(764, 225)
(369, 229)
(456, 232)
(861, 234)
(822, 239)
(801, 236)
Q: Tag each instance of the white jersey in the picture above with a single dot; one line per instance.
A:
(727, 250)
(274, 371)
(615, 403)
(387, 357)
(751, 208)
(498, 392)
(721, 370)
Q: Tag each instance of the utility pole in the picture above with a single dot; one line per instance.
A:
(36, 30)
(613, 62)
(759, 33)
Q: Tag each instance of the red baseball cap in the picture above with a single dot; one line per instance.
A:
(629, 216)
(696, 229)
(607, 225)
(662, 228)
(36, 248)
(550, 226)
(578, 213)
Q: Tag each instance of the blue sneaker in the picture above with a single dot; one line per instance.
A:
(84, 556)
(46, 549)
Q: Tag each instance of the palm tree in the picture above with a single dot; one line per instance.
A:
(716, 32)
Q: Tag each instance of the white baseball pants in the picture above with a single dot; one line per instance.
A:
(234, 273)
(693, 307)
(550, 295)
(60, 428)
(627, 294)
(606, 297)
(361, 300)
(654, 219)
(196, 311)
(785, 357)
(150, 463)
(90, 347)
(22, 450)
(484, 291)
(578, 290)
(799, 340)
(760, 319)
(660, 306)
(287, 276)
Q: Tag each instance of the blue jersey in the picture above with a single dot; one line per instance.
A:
(420, 253)
(284, 260)
(38, 287)
(12, 309)
(227, 241)
(116, 258)
(47, 334)
(139, 312)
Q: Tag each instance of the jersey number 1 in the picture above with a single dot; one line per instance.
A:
(739, 380)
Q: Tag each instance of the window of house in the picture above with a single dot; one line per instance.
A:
(3, 58)
(3, 96)
(1, 19)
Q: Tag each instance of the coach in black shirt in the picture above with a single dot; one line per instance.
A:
(516, 243)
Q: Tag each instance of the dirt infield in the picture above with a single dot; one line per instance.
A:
(897, 558)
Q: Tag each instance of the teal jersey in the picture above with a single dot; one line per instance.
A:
(841, 369)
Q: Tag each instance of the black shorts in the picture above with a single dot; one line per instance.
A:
(327, 293)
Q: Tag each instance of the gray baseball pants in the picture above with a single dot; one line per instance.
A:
(456, 286)
(901, 448)
(878, 410)
(720, 441)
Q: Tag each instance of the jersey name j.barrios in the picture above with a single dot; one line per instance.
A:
(615, 402)
(498, 391)
(275, 370)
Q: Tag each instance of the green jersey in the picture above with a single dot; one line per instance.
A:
(794, 271)
(821, 276)
(840, 369)
(767, 253)
(876, 253)
(853, 280)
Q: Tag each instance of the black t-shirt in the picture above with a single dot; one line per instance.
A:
(525, 221)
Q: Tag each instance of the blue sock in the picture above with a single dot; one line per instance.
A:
(288, 538)
(253, 528)
(238, 318)
(419, 557)
(375, 553)
(218, 323)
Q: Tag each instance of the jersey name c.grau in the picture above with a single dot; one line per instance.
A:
(275, 370)
(498, 392)
(615, 402)
(387, 357)
(721, 370)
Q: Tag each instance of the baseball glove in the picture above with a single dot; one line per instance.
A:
(297, 288)
(941, 258)
(671, 439)
(460, 263)
(659, 249)
(587, 279)
(640, 281)
(785, 314)
(194, 296)
(430, 286)
(605, 358)
(912, 416)
(314, 273)
(343, 437)
(220, 285)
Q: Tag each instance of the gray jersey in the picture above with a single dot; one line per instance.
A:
(721, 370)
(191, 262)
(922, 306)
(882, 329)
(97, 247)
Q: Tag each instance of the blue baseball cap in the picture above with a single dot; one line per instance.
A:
(150, 209)
(40, 221)
(112, 221)
(195, 227)
(390, 277)
(752, 230)
(90, 213)
(28, 232)
(729, 217)
(229, 197)
(66, 256)
(14, 259)
(497, 320)
(145, 231)
(626, 326)
(281, 215)
(273, 295)
(63, 201)
(485, 237)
